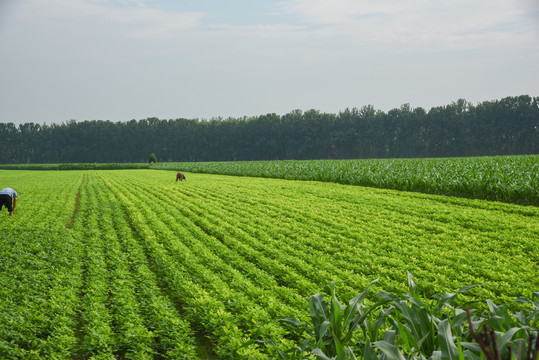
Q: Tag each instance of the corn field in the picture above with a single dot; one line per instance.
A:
(512, 179)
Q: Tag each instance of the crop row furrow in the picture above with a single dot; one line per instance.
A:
(173, 336)
(148, 321)
(271, 249)
(96, 320)
(134, 340)
(39, 276)
(195, 243)
(204, 214)
(438, 240)
(274, 241)
(363, 206)
(448, 268)
(206, 300)
(205, 229)
(334, 219)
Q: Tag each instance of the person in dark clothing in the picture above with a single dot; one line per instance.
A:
(7, 196)
(180, 176)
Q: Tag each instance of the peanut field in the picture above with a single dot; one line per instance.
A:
(129, 264)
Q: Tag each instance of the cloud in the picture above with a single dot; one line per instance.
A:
(453, 24)
(413, 24)
(131, 19)
(338, 11)
(123, 59)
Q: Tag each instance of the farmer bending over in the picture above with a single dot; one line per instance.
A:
(6, 195)
(180, 176)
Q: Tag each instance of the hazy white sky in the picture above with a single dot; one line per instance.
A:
(131, 59)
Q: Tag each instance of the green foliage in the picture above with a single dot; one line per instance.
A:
(147, 267)
(410, 328)
(502, 178)
(333, 327)
(508, 126)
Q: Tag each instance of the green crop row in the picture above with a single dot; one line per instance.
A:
(512, 179)
(345, 234)
(150, 267)
(40, 268)
(71, 293)
(143, 323)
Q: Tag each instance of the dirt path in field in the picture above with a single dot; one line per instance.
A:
(68, 226)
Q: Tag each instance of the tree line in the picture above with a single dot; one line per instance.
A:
(509, 126)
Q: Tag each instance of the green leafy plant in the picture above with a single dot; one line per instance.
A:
(413, 328)
(498, 178)
(221, 260)
(330, 336)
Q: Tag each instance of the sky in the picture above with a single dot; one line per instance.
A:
(119, 60)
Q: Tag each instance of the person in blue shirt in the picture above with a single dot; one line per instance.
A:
(7, 195)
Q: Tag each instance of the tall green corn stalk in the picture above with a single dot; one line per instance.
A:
(408, 327)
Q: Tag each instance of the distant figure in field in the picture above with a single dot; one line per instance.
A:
(180, 176)
(6, 196)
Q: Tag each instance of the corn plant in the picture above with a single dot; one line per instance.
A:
(412, 328)
(506, 336)
(510, 179)
(424, 329)
(331, 334)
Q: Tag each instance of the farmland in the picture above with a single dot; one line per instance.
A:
(130, 264)
(513, 179)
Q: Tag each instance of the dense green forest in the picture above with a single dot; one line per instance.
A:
(509, 126)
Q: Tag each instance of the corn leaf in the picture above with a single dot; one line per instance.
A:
(445, 339)
(389, 351)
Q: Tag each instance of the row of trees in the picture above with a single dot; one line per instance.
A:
(508, 126)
